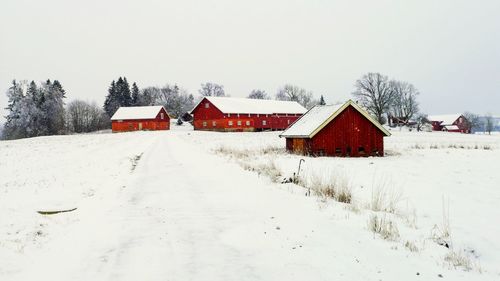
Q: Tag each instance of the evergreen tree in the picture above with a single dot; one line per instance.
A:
(322, 100)
(126, 97)
(53, 108)
(12, 128)
(135, 95)
(112, 102)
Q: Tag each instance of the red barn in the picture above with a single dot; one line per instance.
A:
(344, 130)
(138, 118)
(240, 114)
(455, 123)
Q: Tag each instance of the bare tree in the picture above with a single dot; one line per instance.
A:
(375, 93)
(83, 117)
(404, 105)
(473, 121)
(258, 94)
(295, 93)
(421, 120)
(210, 89)
(488, 123)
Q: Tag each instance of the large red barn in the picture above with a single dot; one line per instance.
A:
(241, 114)
(137, 118)
(345, 130)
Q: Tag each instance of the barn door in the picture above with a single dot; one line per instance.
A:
(298, 146)
(140, 126)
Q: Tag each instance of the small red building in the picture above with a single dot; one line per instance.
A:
(455, 123)
(241, 114)
(138, 118)
(344, 130)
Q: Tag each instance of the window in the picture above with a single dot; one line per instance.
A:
(204, 124)
(207, 105)
(248, 123)
(239, 123)
(230, 123)
(161, 116)
(264, 122)
(214, 123)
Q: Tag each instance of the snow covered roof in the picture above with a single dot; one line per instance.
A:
(444, 119)
(319, 116)
(136, 112)
(452, 128)
(255, 106)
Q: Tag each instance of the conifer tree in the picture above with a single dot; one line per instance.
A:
(135, 95)
(322, 100)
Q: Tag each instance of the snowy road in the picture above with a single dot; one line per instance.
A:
(186, 214)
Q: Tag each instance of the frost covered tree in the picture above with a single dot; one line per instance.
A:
(473, 121)
(295, 93)
(176, 101)
(404, 102)
(53, 107)
(35, 110)
(489, 123)
(375, 92)
(258, 94)
(210, 89)
(421, 120)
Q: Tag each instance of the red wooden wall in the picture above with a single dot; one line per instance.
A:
(350, 134)
(211, 118)
(146, 124)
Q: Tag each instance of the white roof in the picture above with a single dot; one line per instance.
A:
(136, 112)
(444, 119)
(452, 127)
(255, 106)
(319, 116)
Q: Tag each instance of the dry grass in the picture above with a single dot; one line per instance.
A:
(384, 227)
(268, 169)
(385, 198)
(411, 246)
(459, 259)
(335, 186)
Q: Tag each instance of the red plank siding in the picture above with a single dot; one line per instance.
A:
(142, 124)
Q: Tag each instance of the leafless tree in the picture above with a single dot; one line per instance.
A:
(421, 120)
(258, 94)
(83, 117)
(488, 123)
(294, 93)
(210, 89)
(404, 105)
(473, 121)
(375, 93)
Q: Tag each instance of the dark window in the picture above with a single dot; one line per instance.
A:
(338, 150)
(361, 150)
(348, 151)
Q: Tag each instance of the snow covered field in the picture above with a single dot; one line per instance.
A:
(182, 205)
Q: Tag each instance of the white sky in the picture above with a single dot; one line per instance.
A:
(449, 49)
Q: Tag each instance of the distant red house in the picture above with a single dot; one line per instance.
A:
(138, 118)
(344, 130)
(455, 123)
(241, 114)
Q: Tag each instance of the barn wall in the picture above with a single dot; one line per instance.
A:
(213, 119)
(350, 134)
(147, 124)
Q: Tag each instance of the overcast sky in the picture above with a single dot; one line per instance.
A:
(449, 49)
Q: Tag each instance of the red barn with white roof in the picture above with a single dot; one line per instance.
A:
(139, 118)
(241, 114)
(344, 130)
(455, 123)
